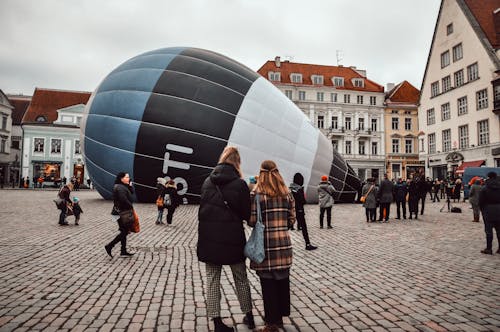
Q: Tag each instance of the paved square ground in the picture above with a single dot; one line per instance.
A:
(425, 275)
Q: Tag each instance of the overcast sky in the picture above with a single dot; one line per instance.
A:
(73, 45)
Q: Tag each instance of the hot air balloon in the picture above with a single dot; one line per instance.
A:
(170, 113)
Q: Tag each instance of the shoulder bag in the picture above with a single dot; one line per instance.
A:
(362, 199)
(60, 202)
(254, 248)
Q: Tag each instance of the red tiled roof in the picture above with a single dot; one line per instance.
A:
(483, 12)
(404, 92)
(20, 104)
(286, 68)
(46, 102)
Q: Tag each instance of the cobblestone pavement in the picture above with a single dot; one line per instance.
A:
(425, 275)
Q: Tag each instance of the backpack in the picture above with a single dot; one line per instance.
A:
(456, 209)
(167, 200)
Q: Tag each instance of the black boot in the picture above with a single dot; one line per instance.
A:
(249, 321)
(220, 326)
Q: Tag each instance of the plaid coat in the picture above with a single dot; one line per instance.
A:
(277, 213)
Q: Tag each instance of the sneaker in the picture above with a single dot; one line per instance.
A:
(108, 250)
(487, 251)
(126, 254)
(311, 247)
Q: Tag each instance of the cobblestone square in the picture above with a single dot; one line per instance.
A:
(425, 275)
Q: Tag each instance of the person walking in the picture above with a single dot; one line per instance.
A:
(442, 188)
(370, 191)
(64, 193)
(436, 186)
(160, 192)
(224, 204)
(171, 199)
(385, 198)
(489, 202)
(474, 199)
(122, 201)
(278, 211)
(297, 190)
(413, 198)
(400, 192)
(325, 194)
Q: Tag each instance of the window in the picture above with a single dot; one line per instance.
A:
(335, 145)
(422, 145)
(374, 124)
(348, 123)
(360, 99)
(335, 122)
(445, 112)
(434, 89)
(348, 147)
(361, 122)
(41, 118)
(395, 145)
(431, 117)
(449, 29)
(496, 91)
(4, 122)
(395, 124)
(296, 78)
(408, 145)
(333, 97)
(483, 132)
(347, 99)
(462, 105)
(407, 112)
(463, 136)
(288, 93)
(317, 79)
(78, 120)
(432, 143)
(482, 99)
(302, 95)
(55, 145)
(457, 52)
(445, 59)
(38, 144)
(321, 121)
(3, 144)
(407, 123)
(394, 112)
(374, 148)
(446, 83)
(338, 81)
(446, 136)
(361, 147)
(373, 100)
(274, 76)
(78, 149)
(459, 78)
(472, 72)
(15, 144)
(358, 82)
(320, 96)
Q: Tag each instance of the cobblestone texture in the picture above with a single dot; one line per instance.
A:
(425, 275)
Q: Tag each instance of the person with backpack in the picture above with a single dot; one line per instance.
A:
(171, 200)
(325, 198)
(297, 190)
(160, 192)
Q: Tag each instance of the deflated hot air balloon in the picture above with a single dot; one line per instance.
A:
(170, 113)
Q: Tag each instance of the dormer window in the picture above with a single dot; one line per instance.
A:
(317, 79)
(358, 82)
(296, 78)
(274, 76)
(338, 81)
(41, 118)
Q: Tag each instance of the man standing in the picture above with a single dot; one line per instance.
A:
(489, 202)
(300, 199)
(421, 190)
(385, 198)
(400, 192)
(325, 193)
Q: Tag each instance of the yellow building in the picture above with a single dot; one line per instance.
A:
(401, 131)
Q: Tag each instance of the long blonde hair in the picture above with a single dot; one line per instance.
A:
(231, 156)
(270, 181)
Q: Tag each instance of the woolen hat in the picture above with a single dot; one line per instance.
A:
(324, 178)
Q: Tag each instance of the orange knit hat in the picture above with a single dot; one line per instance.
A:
(324, 178)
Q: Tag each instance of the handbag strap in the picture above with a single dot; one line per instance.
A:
(224, 200)
(368, 192)
(259, 211)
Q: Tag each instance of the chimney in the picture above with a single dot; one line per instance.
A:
(277, 61)
(390, 86)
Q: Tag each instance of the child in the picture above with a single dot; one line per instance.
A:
(76, 210)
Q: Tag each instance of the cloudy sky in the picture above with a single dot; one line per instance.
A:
(73, 45)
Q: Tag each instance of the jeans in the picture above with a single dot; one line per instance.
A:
(400, 204)
(160, 215)
(488, 229)
(371, 214)
(122, 237)
(328, 216)
(170, 214)
(436, 197)
(423, 203)
(301, 223)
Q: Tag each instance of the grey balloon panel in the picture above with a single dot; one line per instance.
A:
(133, 80)
(120, 104)
(146, 61)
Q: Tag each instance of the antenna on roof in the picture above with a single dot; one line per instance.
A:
(340, 57)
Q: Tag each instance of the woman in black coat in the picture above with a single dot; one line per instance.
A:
(224, 204)
(171, 200)
(122, 201)
(489, 202)
(413, 197)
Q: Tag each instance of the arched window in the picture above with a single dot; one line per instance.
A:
(41, 118)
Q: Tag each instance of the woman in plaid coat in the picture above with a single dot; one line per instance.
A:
(278, 212)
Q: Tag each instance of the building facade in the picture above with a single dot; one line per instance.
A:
(51, 140)
(5, 138)
(401, 134)
(457, 114)
(343, 103)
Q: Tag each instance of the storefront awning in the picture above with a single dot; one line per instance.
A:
(476, 163)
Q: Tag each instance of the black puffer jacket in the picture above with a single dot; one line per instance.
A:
(122, 197)
(298, 192)
(221, 237)
(489, 200)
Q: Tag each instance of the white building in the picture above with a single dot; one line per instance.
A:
(5, 137)
(457, 116)
(343, 103)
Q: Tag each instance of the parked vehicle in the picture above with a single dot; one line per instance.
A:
(471, 172)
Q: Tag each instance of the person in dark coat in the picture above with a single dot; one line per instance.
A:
(475, 189)
(171, 199)
(489, 202)
(385, 198)
(400, 192)
(326, 201)
(422, 191)
(300, 199)
(456, 190)
(413, 198)
(224, 204)
(435, 188)
(122, 201)
(370, 191)
(64, 194)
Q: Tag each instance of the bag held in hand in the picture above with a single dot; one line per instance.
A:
(136, 227)
(127, 218)
(254, 248)
(159, 202)
(362, 199)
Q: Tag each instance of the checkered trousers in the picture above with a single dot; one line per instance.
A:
(213, 295)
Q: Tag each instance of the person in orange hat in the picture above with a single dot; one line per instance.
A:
(325, 193)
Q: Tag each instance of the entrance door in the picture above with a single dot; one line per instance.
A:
(78, 172)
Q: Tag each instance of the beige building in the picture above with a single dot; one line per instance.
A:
(459, 122)
(401, 133)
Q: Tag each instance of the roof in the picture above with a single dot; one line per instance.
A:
(476, 163)
(483, 11)
(286, 68)
(46, 102)
(404, 92)
(20, 104)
